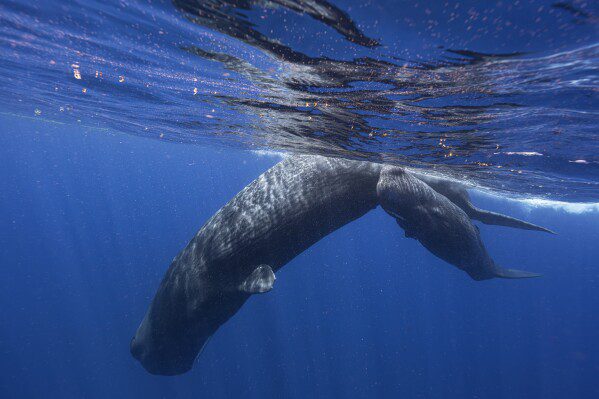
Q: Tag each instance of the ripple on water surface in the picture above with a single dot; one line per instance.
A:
(502, 94)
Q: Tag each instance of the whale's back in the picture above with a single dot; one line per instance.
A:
(286, 210)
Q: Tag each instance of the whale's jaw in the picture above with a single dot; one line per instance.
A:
(159, 364)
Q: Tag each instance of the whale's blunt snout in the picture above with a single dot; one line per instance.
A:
(158, 359)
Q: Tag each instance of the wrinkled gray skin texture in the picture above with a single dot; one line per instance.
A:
(275, 218)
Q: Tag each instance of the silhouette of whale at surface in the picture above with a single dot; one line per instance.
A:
(279, 215)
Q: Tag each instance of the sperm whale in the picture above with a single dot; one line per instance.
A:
(293, 205)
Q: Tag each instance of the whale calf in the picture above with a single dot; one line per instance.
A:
(283, 212)
(439, 224)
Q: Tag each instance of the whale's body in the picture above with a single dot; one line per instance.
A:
(276, 217)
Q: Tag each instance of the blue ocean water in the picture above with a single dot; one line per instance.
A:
(126, 125)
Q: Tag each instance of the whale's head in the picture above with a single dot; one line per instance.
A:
(175, 327)
(165, 344)
(179, 322)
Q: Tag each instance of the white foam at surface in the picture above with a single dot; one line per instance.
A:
(569, 207)
(269, 153)
(535, 202)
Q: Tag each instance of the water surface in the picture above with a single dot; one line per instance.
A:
(500, 93)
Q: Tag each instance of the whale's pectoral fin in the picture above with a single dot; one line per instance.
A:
(498, 219)
(513, 273)
(259, 281)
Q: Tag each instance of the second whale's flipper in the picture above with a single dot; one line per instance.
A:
(497, 219)
(259, 281)
(513, 273)
(456, 193)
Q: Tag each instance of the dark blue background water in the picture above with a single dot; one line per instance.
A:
(90, 220)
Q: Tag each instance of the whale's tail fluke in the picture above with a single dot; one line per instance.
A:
(488, 217)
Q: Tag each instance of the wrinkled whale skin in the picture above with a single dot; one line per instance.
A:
(276, 217)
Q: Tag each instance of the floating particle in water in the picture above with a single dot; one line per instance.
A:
(121, 79)
(161, 135)
(195, 91)
(84, 90)
(37, 112)
(76, 74)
